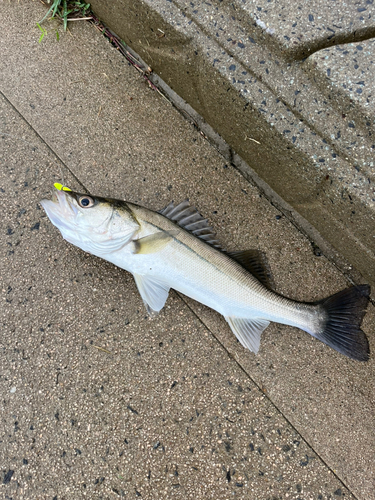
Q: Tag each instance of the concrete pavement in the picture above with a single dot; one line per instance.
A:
(97, 400)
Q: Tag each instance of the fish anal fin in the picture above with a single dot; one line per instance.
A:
(154, 293)
(255, 261)
(154, 242)
(248, 330)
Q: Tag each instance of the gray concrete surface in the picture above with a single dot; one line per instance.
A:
(348, 70)
(254, 71)
(97, 400)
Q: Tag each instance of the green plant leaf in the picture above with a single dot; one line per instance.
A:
(62, 9)
(43, 30)
(54, 7)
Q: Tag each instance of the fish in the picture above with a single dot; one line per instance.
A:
(176, 248)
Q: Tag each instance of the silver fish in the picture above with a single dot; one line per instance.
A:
(175, 248)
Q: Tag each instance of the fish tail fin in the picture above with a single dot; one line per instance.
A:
(341, 330)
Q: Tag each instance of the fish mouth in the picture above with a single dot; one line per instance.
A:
(60, 210)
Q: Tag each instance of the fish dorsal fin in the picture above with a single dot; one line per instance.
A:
(154, 293)
(248, 330)
(256, 263)
(190, 219)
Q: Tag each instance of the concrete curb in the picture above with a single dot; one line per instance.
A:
(298, 131)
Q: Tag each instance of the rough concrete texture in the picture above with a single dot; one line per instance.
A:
(349, 69)
(300, 28)
(250, 69)
(97, 400)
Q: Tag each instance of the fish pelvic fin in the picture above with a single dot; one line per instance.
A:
(344, 312)
(248, 330)
(154, 293)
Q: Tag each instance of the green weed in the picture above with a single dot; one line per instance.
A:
(64, 10)
(44, 33)
(43, 30)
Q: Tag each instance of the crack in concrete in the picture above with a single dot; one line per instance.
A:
(52, 151)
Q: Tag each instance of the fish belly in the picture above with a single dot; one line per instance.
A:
(204, 282)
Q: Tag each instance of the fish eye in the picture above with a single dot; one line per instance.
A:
(85, 202)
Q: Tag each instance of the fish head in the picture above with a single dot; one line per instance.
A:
(97, 225)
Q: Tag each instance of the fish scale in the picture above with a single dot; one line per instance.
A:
(228, 287)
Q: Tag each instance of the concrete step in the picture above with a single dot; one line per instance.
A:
(287, 86)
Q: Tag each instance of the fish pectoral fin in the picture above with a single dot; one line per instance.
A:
(154, 242)
(154, 293)
(248, 330)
